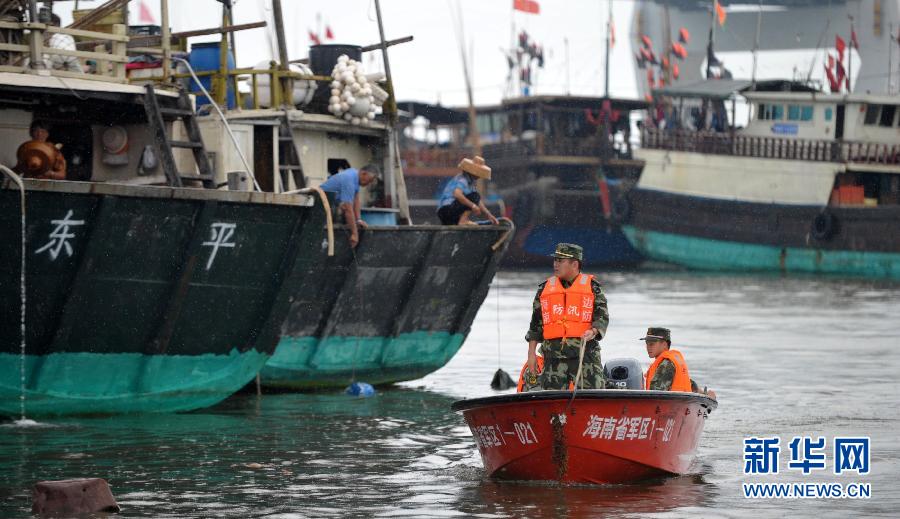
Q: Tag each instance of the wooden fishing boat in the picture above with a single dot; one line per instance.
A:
(593, 436)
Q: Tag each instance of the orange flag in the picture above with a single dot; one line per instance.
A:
(720, 12)
(527, 6)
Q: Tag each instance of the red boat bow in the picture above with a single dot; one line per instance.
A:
(600, 436)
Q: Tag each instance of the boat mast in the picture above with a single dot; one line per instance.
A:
(712, 39)
(473, 124)
(756, 46)
(286, 87)
(606, 64)
(850, 57)
(390, 108)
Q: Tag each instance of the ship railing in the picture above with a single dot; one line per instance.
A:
(503, 151)
(818, 150)
(24, 48)
(220, 79)
(434, 157)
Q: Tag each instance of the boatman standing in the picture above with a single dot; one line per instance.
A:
(569, 307)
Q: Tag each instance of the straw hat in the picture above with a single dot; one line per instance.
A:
(476, 167)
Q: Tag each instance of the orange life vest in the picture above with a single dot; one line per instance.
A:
(567, 312)
(682, 381)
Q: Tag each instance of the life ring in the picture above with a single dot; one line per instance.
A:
(823, 226)
(621, 209)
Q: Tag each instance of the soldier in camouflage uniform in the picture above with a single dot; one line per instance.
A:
(561, 354)
(659, 340)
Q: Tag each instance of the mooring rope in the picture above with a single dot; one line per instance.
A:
(329, 222)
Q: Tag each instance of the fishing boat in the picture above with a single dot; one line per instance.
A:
(167, 268)
(559, 164)
(810, 184)
(589, 436)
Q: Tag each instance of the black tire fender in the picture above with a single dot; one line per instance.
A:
(822, 227)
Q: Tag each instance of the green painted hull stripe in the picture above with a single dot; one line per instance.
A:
(87, 383)
(301, 362)
(707, 254)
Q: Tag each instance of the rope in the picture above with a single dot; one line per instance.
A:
(506, 235)
(329, 222)
(18, 180)
(497, 279)
(577, 375)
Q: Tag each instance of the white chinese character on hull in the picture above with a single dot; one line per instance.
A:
(59, 238)
(222, 233)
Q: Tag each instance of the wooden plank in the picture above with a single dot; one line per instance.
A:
(102, 36)
(14, 47)
(90, 77)
(86, 55)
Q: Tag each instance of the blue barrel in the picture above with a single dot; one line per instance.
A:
(205, 56)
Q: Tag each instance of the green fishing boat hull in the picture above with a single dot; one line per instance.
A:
(123, 382)
(147, 299)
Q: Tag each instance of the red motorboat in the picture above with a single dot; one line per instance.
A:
(599, 436)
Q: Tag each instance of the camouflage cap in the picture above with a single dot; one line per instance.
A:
(659, 334)
(569, 251)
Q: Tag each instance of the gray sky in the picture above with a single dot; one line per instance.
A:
(430, 67)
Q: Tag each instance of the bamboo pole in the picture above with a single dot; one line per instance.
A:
(287, 87)
(166, 39)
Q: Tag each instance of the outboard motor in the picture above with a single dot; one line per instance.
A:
(624, 373)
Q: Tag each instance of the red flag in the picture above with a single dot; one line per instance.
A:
(646, 41)
(527, 6)
(720, 13)
(853, 41)
(612, 33)
(145, 15)
(328, 34)
(650, 77)
(683, 35)
(314, 38)
(675, 71)
(840, 45)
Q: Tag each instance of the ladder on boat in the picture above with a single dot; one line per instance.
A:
(183, 111)
(288, 156)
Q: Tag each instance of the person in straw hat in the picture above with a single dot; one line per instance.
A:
(459, 199)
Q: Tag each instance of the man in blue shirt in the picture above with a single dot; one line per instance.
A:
(460, 199)
(345, 184)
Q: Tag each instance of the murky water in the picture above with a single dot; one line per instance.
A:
(795, 356)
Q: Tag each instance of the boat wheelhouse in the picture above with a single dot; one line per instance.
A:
(811, 183)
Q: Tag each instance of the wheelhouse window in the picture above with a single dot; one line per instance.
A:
(829, 112)
(769, 112)
(871, 114)
(887, 115)
(800, 113)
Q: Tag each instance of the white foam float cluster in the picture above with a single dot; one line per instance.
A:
(353, 97)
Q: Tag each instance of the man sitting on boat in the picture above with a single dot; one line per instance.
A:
(569, 309)
(460, 199)
(669, 371)
(40, 158)
(345, 184)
